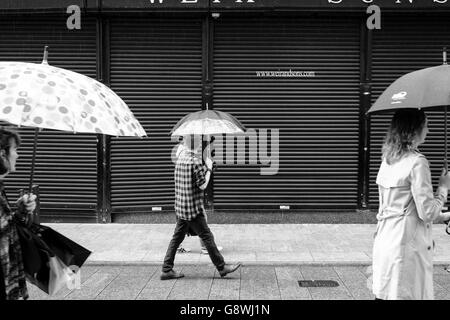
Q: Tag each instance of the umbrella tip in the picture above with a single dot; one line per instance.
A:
(444, 55)
(44, 60)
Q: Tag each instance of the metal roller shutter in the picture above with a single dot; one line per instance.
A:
(317, 117)
(405, 44)
(66, 164)
(156, 67)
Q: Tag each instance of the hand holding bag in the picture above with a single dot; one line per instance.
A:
(47, 254)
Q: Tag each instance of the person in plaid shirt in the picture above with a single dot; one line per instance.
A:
(191, 179)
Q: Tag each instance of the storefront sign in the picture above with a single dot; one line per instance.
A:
(45, 4)
(275, 4)
(205, 5)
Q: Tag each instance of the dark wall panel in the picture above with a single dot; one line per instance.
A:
(406, 43)
(156, 67)
(66, 163)
(317, 117)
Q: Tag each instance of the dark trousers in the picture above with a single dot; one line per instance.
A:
(200, 227)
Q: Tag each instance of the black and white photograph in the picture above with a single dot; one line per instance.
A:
(224, 158)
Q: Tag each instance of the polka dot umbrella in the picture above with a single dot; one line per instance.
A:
(44, 96)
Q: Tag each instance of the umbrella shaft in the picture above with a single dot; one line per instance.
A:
(33, 159)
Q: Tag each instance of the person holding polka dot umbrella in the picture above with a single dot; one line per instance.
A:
(47, 97)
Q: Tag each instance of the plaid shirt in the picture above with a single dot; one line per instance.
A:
(189, 176)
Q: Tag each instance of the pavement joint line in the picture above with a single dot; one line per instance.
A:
(342, 281)
(278, 283)
(104, 288)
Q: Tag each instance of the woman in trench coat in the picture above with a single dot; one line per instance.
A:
(403, 244)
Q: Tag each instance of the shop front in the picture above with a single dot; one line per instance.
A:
(299, 75)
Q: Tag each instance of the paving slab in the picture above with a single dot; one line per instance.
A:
(128, 284)
(358, 283)
(287, 278)
(324, 293)
(227, 288)
(156, 289)
(196, 285)
(259, 283)
(95, 284)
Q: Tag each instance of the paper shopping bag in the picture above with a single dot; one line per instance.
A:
(60, 275)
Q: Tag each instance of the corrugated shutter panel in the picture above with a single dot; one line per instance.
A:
(406, 43)
(66, 164)
(156, 68)
(317, 116)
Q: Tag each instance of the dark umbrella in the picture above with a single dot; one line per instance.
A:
(426, 88)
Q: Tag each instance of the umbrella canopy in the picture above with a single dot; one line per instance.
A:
(43, 96)
(207, 122)
(425, 88)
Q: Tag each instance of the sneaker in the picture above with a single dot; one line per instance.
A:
(204, 251)
(183, 250)
(171, 275)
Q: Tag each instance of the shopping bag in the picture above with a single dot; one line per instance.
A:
(191, 232)
(35, 256)
(34, 251)
(48, 257)
(59, 275)
(52, 276)
(70, 252)
(40, 278)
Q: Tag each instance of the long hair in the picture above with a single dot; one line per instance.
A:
(6, 136)
(399, 140)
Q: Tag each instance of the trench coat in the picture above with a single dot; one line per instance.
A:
(403, 246)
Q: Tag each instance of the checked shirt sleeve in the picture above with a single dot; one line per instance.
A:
(199, 172)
